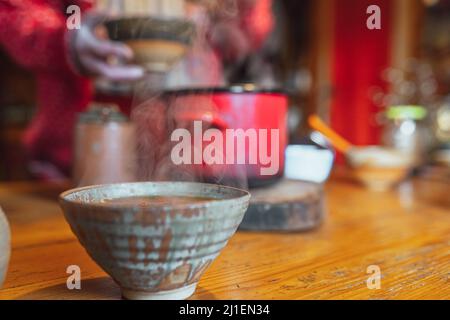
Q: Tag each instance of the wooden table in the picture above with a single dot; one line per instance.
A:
(406, 233)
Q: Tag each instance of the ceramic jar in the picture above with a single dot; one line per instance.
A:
(104, 147)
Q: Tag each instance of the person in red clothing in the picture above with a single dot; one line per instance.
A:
(35, 35)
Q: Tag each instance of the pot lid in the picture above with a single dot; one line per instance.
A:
(235, 88)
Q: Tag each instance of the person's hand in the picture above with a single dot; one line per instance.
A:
(93, 54)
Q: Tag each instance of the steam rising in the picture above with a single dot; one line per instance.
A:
(157, 113)
(158, 108)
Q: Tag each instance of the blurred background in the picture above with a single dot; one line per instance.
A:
(321, 53)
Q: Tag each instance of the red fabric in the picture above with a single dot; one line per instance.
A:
(33, 33)
(256, 20)
(359, 57)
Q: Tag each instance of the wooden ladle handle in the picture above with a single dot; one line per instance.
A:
(336, 139)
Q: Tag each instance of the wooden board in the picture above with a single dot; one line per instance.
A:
(287, 206)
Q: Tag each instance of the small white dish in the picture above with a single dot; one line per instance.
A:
(308, 163)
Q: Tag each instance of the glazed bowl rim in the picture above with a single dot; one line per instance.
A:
(241, 195)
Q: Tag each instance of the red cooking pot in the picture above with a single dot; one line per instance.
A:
(252, 126)
(238, 107)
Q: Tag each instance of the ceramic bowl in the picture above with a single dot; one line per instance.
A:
(379, 168)
(5, 248)
(158, 251)
(157, 43)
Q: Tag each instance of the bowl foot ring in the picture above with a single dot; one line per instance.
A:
(175, 294)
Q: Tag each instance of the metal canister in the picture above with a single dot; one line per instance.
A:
(105, 147)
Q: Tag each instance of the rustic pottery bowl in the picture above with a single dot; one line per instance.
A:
(156, 251)
(157, 43)
(4, 246)
(379, 168)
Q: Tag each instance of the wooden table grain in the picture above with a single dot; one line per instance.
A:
(406, 233)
